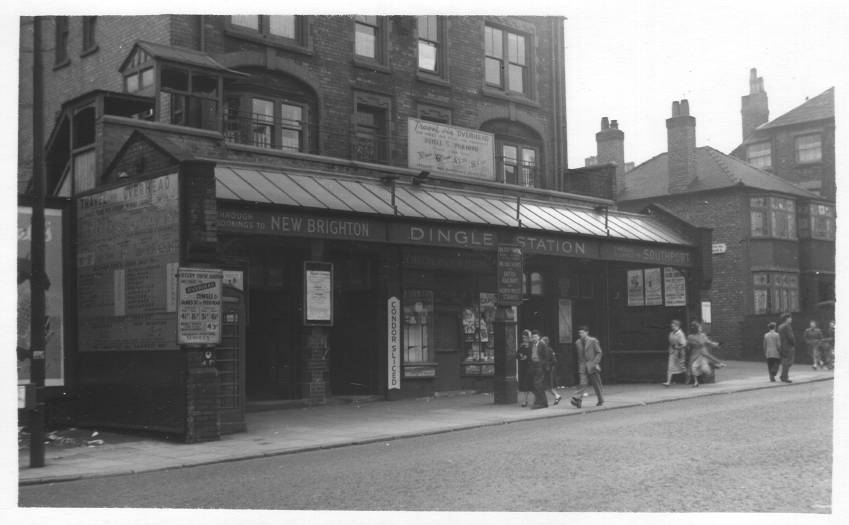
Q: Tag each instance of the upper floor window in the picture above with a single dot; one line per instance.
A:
(268, 122)
(773, 217)
(518, 164)
(822, 221)
(138, 72)
(760, 155)
(429, 43)
(89, 42)
(370, 137)
(368, 37)
(775, 292)
(506, 62)
(284, 27)
(809, 148)
(61, 44)
(191, 97)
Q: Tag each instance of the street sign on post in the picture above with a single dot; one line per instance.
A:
(509, 274)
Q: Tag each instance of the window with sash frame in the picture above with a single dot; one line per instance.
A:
(506, 60)
(760, 155)
(772, 217)
(809, 148)
(775, 292)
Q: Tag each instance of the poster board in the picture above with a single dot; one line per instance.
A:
(509, 274)
(128, 239)
(450, 149)
(54, 350)
(653, 286)
(200, 292)
(318, 293)
(393, 343)
(674, 287)
(635, 288)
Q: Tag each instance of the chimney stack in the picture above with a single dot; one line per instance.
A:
(610, 148)
(681, 140)
(754, 107)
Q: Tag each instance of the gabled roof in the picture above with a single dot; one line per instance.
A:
(715, 170)
(179, 54)
(818, 108)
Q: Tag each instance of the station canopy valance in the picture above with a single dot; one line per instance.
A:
(349, 194)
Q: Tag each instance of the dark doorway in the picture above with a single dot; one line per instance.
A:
(271, 360)
(353, 367)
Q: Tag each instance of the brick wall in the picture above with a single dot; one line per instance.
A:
(784, 157)
(115, 36)
(727, 213)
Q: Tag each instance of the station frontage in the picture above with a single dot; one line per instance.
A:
(321, 284)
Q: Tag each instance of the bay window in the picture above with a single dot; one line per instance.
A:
(775, 292)
(772, 217)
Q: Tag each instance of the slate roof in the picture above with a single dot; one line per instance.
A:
(818, 108)
(715, 170)
(182, 55)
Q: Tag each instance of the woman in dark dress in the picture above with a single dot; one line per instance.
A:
(523, 355)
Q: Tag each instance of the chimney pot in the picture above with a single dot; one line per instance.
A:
(614, 124)
(604, 124)
(685, 107)
(676, 109)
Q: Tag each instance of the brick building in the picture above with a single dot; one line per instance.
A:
(773, 242)
(797, 146)
(375, 192)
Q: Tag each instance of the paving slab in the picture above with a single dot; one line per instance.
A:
(286, 431)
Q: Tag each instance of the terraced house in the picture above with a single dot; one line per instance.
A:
(284, 209)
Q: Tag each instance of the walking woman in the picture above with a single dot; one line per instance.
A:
(703, 362)
(552, 372)
(677, 363)
(523, 355)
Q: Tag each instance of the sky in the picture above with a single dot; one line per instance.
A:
(630, 61)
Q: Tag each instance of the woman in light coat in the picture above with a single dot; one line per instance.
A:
(677, 363)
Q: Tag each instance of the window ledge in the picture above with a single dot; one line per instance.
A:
(509, 96)
(371, 65)
(808, 164)
(432, 78)
(90, 51)
(270, 40)
(60, 65)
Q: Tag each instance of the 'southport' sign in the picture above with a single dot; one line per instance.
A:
(393, 338)
(199, 306)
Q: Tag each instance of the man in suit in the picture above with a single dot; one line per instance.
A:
(788, 346)
(589, 367)
(539, 365)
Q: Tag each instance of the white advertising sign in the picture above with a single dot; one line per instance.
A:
(654, 287)
(450, 149)
(199, 306)
(393, 338)
(635, 288)
(675, 287)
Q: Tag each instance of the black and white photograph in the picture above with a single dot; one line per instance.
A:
(376, 262)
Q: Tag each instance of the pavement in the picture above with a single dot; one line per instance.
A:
(291, 430)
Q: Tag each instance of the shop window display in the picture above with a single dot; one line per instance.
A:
(478, 336)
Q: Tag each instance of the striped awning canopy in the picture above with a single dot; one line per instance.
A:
(348, 194)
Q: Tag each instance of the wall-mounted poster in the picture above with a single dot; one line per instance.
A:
(128, 240)
(564, 322)
(653, 286)
(318, 293)
(450, 149)
(54, 325)
(635, 288)
(199, 306)
(675, 287)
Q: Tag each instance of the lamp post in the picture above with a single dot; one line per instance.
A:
(38, 279)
